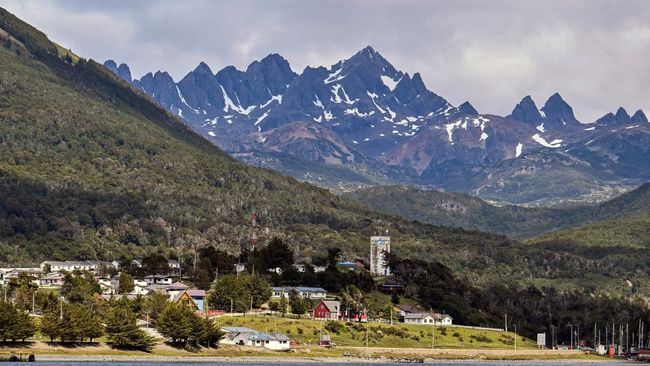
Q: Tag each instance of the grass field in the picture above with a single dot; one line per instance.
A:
(307, 332)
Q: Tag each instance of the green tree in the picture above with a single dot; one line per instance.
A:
(15, 324)
(79, 287)
(125, 285)
(155, 264)
(283, 305)
(296, 303)
(388, 312)
(278, 255)
(210, 333)
(154, 305)
(123, 332)
(179, 323)
(89, 324)
(51, 324)
(240, 290)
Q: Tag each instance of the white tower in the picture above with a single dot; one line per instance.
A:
(378, 265)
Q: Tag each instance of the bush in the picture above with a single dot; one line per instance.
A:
(299, 330)
(456, 334)
(481, 338)
(334, 327)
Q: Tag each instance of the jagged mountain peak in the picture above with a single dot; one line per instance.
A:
(526, 111)
(203, 68)
(122, 70)
(639, 117)
(622, 115)
(557, 112)
(467, 108)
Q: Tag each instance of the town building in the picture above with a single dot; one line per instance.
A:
(51, 280)
(402, 309)
(242, 336)
(71, 266)
(378, 246)
(428, 319)
(193, 298)
(317, 293)
(419, 318)
(326, 310)
(163, 280)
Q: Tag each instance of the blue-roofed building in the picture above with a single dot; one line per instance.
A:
(304, 292)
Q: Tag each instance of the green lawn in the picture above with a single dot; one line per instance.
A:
(307, 332)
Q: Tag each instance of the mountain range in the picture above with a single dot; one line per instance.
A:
(361, 122)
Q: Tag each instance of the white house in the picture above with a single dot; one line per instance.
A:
(303, 292)
(419, 318)
(445, 319)
(7, 274)
(51, 280)
(69, 266)
(159, 280)
(428, 319)
(242, 336)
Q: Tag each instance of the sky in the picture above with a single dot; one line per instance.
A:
(595, 53)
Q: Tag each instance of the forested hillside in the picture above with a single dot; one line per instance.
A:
(91, 168)
(472, 213)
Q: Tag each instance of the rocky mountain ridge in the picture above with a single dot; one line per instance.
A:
(385, 126)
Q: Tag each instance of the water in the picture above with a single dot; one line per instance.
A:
(444, 363)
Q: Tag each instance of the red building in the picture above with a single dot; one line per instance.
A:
(327, 310)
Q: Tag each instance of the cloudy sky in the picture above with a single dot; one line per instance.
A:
(492, 53)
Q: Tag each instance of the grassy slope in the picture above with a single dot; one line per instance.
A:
(307, 332)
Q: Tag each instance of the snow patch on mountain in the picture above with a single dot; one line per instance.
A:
(261, 118)
(230, 105)
(553, 144)
(389, 82)
(333, 77)
(518, 149)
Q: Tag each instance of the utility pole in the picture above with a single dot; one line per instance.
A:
(34, 302)
(571, 346)
(505, 322)
(515, 336)
(231, 308)
(433, 337)
(367, 335)
(61, 307)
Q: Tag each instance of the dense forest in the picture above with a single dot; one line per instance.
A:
(472, 213)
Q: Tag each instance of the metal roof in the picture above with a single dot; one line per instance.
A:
(238, 330)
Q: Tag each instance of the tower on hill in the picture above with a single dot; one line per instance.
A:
(378, 246)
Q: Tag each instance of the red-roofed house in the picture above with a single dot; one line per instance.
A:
(327, 310)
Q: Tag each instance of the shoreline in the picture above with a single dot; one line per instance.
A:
(299, 360)
(368, 356)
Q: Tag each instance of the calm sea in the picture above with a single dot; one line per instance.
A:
(448, 363)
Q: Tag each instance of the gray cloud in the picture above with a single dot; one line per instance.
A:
(489, 52)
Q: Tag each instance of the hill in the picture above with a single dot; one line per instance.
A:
(91, 168)
(472, 213)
